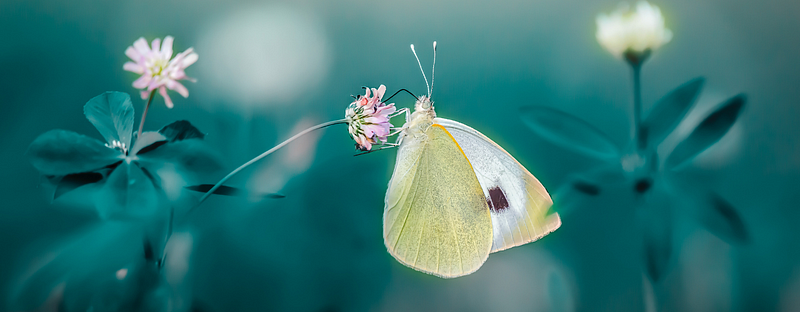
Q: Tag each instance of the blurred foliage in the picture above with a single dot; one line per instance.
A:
(642, 172)
(125, 173)
(319, 248)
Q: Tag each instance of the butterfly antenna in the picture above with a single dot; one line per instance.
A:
(421, 70)
(401, 90)
(433, 71)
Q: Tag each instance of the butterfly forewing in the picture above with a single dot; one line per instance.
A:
(436, 218)
(518, 203)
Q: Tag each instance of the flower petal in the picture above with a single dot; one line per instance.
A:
(133, 67)
(376, 120)
(156, 45)
(379, 93)
(639, 30)
(369, 131)
(112, 114)
(178, 87)
(364, 143)
(155, 83)
(133, 54)
(141, 46)
(167, 100)
(166, 47)
(142, 82)
(367, 93)
(189, 59)
(385, 111)
(174, 74)
(61, 152)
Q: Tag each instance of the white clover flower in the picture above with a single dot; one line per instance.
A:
(639, 31)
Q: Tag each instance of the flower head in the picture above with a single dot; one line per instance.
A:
(368, 118)
(157, 67)
(637, 31)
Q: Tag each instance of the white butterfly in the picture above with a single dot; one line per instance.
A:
(456, 196)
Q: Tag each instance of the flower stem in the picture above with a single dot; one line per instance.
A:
(637, 107)
(144, 114)
(259, 157)
(636, 59)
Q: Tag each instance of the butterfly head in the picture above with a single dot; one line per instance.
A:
(423, 114)
(423, 103)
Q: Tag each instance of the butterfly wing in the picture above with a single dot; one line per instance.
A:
(517, 201)
(436, 219)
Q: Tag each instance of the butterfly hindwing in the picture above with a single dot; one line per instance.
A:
(518, 203)
(436, 219)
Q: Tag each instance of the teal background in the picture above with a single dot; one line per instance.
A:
(320, 248)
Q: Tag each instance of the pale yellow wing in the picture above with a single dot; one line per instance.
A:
(518, 202)
(436, 218)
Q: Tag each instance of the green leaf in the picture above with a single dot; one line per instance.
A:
(181, 130)
(708, 132)
(147, 142)
(72, 181)
(668, 112)
(191, 155)
(569, 132)
(112, 114)
(128, 193)
(722, 219)
(61, 152)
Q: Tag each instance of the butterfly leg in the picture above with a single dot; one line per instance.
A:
(396, 130)
(399, 112)
(399, 130)
(399, 137)
(386, 146)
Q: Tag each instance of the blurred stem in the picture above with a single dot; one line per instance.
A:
(636, 59)
(637, 105)
(144, 114)
(259, 157)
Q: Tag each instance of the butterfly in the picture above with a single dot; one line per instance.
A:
(455, 196)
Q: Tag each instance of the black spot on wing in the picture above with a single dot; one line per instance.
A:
(497, 199)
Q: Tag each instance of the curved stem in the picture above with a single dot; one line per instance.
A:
(144, 114)
(259, 157)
